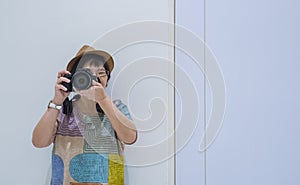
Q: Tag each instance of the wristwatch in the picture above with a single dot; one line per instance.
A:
(53, 105)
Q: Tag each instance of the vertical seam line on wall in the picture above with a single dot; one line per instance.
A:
(174, 72)
(204, 102)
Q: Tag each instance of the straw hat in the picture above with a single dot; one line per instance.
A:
(88, 50)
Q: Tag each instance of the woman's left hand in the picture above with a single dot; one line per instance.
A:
(95, 93)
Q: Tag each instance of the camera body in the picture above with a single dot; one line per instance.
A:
(80, 80)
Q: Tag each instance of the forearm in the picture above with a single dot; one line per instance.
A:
(43, 133)
(125, 129)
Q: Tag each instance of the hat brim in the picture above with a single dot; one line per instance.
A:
(107, 57)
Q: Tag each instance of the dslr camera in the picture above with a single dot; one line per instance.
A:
(80, 80)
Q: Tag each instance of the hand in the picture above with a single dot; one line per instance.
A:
(61, 92)
(95, 93)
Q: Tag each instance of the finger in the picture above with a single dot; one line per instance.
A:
(82, 92)
(63, 79)
(88, 92)
(94, 83)
(88, 96)
(62, 73)
(61, 87)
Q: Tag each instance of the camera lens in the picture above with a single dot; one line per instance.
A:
(82, 79)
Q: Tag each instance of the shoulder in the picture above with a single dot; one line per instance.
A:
(119, 104)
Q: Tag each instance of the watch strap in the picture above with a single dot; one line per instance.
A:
(54, 106)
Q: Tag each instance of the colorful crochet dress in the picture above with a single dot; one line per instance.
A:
(87, 150)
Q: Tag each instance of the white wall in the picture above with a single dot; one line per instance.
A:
(189, 161)
(38, 38)
(256, 45)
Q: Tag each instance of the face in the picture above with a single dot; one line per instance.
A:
(98, 71)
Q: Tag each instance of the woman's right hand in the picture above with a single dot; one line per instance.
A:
(61, 92)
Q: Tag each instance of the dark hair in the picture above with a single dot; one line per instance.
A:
(93, 60)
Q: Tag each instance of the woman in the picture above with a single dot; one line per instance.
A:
(88, 129)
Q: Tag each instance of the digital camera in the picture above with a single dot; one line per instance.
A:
(80, 80)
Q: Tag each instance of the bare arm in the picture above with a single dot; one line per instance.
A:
(124, 128)
(44, 132)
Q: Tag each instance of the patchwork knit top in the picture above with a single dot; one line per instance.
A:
(87, 149)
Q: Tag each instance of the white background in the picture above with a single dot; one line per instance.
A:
(38, 38)
(257, 46)
(255, 42)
